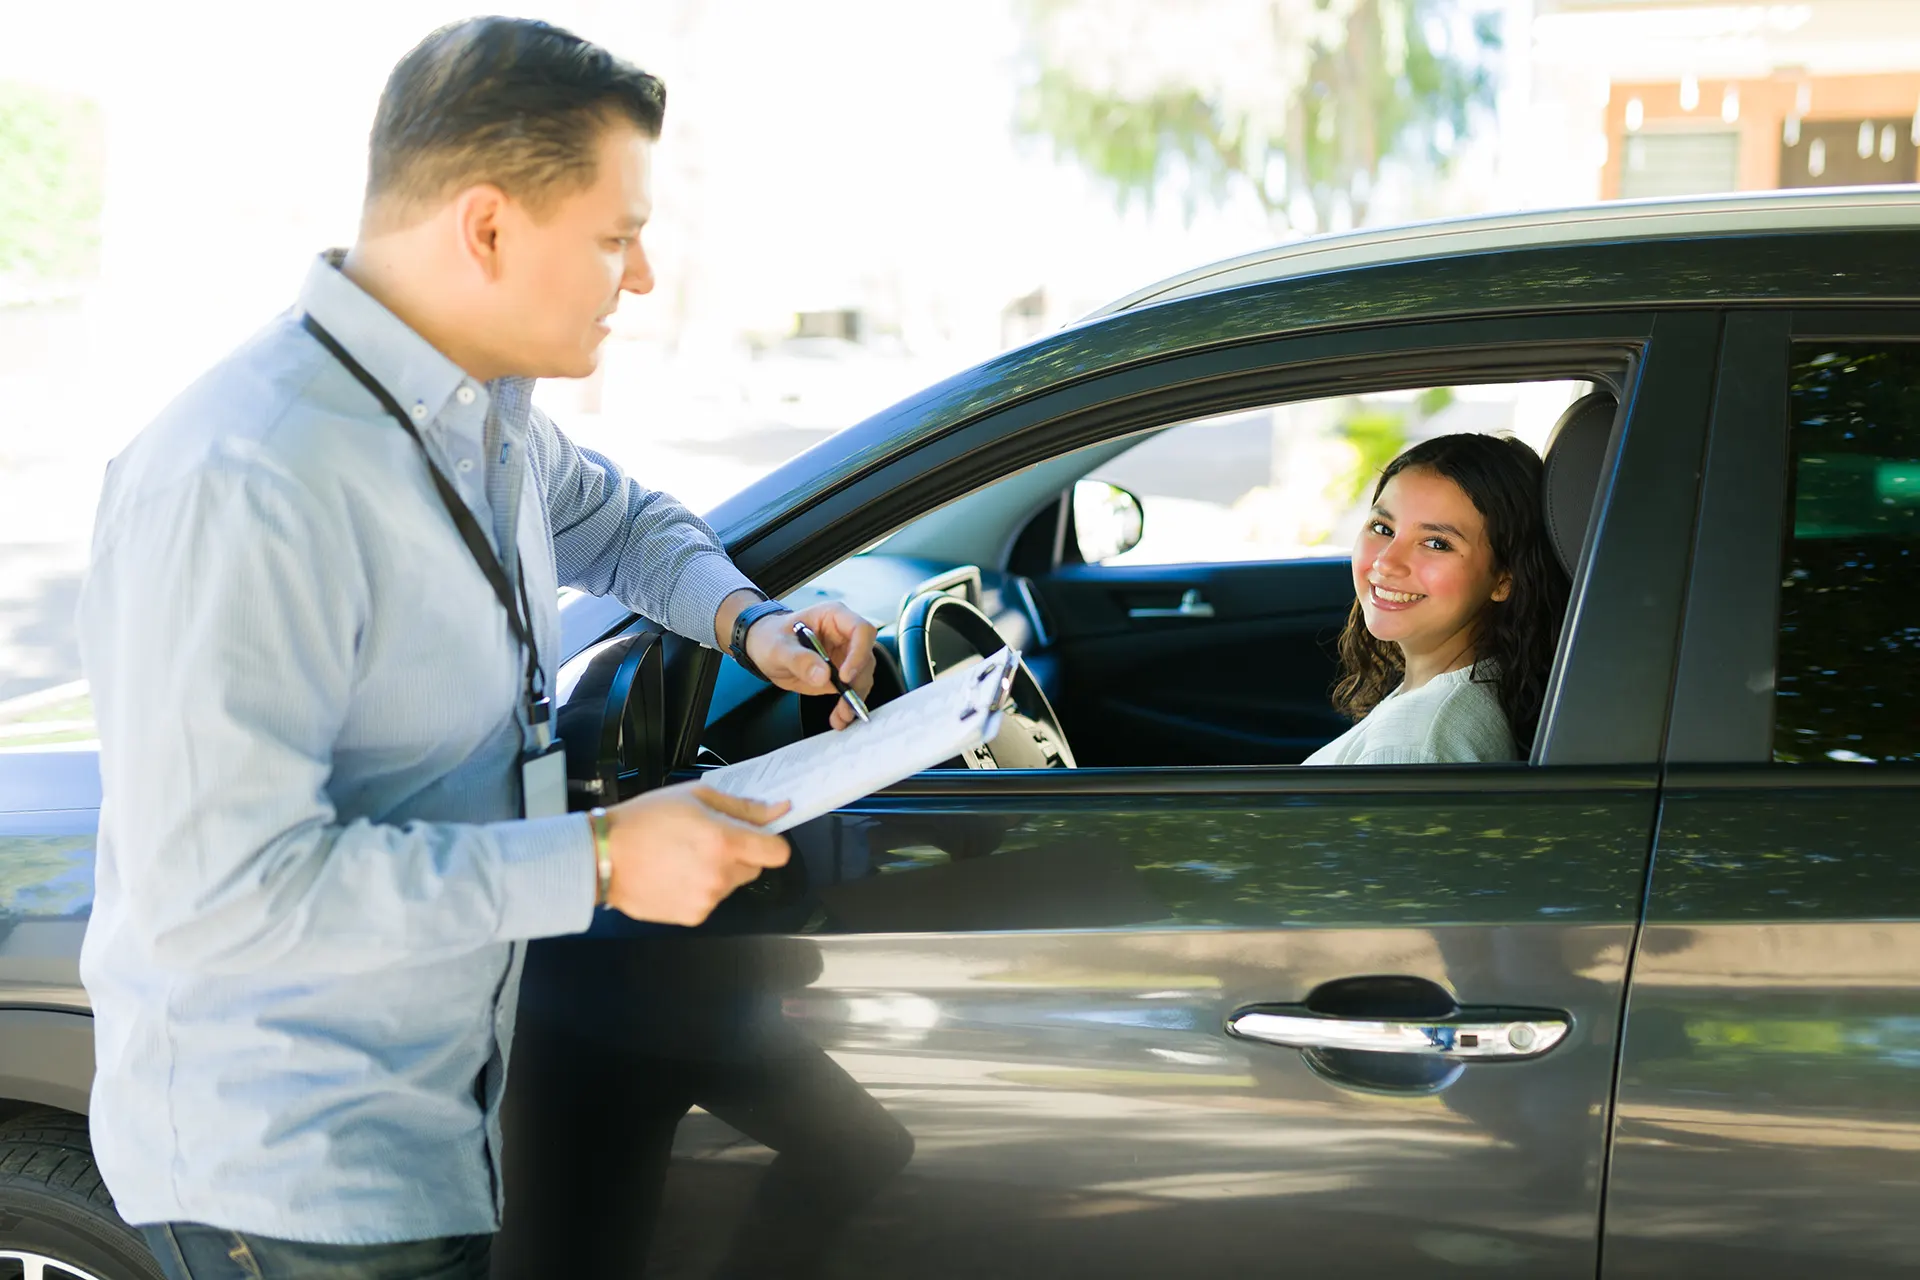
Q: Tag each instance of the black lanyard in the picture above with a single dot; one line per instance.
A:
(520, 619)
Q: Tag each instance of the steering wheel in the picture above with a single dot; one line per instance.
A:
(942, 634)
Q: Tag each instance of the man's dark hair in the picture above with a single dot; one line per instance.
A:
(520, 104)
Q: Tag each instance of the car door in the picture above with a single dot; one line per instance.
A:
(1216, 663)
(49, 811)
(997, 1023)
(1769, 1105)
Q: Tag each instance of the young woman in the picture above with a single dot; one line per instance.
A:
(1458, 609)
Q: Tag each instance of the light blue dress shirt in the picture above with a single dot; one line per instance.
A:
(311, 882)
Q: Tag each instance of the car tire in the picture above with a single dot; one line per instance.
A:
(54, 1207)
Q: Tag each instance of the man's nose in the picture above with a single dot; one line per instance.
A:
(639, 276)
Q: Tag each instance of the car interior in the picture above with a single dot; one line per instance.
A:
(1218, 662)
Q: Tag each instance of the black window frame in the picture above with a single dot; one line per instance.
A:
(1725, 704)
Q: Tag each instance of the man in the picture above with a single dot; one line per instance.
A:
(320, 624)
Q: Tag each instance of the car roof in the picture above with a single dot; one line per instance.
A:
(1747, 214)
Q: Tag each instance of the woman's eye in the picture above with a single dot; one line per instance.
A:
(1380, 527)
(1439, 544)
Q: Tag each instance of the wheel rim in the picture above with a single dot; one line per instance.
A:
(39, 1266)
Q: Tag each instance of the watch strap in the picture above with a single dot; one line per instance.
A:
(602, 856)
(743, 624)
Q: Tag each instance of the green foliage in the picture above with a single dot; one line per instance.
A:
(1133, 143)
(1377, 436)
(1378, 81)
(51, 184)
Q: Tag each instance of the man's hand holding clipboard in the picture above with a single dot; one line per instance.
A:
(669, 860)
(915, 731)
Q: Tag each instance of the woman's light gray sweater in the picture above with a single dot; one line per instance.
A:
(1449, 719)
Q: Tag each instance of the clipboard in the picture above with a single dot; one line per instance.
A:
(956, 713)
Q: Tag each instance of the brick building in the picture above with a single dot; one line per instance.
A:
(1678, 97)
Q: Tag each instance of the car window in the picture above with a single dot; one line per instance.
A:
(1293, 481)
(1848, 685)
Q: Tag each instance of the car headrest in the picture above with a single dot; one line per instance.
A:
(1576, 449)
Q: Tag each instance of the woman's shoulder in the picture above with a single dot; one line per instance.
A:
(1468, 723)
(1454, 718)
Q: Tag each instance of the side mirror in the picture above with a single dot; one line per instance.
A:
(612, 718)
(1107, 520)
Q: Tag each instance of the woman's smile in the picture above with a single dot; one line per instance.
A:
(1385, 599)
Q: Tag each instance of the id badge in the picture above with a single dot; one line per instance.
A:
(543, 782)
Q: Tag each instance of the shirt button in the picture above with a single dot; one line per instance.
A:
(464, 465)
(464, 395)
(419, 413)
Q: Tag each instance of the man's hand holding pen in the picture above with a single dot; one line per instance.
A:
(785, 658)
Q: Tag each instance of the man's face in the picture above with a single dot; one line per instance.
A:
(561, 275)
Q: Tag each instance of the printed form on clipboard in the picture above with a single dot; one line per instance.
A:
(936, 722)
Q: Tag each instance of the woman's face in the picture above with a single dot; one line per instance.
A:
(1422, 567)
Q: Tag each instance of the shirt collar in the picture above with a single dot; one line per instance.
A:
(413, 370)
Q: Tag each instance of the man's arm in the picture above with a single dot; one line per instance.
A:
(614, 537)
(219, 631)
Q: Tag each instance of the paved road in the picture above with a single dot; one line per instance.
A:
(46, 505)
(39, 583)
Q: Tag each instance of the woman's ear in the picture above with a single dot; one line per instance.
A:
(1502, 588)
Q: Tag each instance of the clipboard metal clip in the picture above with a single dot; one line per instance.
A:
(1005, 697)
(1002, 697)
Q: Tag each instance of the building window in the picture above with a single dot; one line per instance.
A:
(1676, 162)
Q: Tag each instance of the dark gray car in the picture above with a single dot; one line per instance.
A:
(1130, 993)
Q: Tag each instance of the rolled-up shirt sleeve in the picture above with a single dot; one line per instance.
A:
(221, 687)
(613, 536)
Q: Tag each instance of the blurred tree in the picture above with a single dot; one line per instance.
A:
(1378, 434)
(1297, 102)
(51, 184)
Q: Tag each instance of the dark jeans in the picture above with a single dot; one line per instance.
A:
(191, 1251)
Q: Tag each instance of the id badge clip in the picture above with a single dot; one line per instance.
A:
(543, 766)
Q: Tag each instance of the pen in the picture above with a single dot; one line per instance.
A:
(812, 642)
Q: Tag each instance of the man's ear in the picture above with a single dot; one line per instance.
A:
(478, 218)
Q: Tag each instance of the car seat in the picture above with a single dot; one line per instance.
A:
(1576, 450)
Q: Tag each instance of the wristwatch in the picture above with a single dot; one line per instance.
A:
(737, 646)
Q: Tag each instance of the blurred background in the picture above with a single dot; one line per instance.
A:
(854, 198)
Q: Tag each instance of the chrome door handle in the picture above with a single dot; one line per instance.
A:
(1192, 605)
(1477, 1035)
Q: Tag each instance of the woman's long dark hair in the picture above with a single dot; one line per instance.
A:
(1515, 638)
